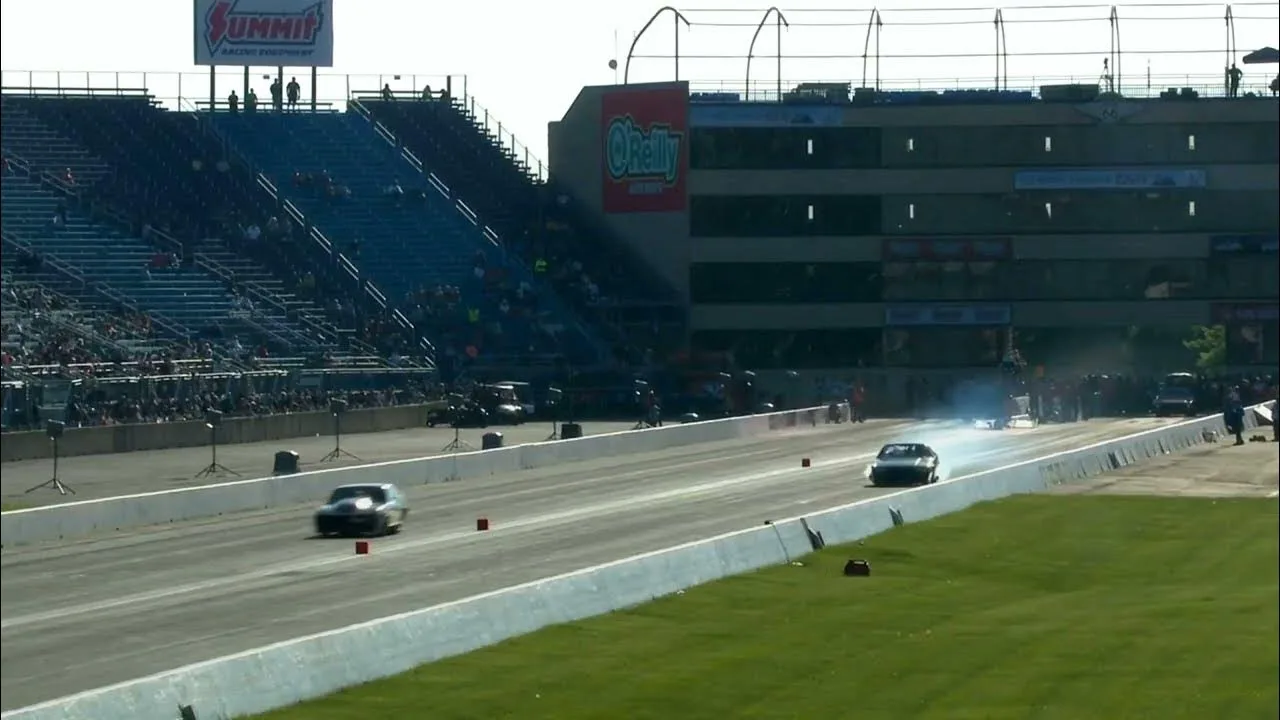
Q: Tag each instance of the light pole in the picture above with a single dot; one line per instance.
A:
(679, 18)
(781, 23)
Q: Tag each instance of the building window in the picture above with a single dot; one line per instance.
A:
(808, 147)
(911, 144)
(1048, 144)
(1048, 210)
(1191, 208)
(1191, 143)
(810, 213)
(911, 211)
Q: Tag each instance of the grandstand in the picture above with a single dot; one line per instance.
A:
(905, 233)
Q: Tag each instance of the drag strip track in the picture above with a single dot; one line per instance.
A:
(84, 614)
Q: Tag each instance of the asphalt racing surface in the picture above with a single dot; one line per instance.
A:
(85, 614)
(99, 476)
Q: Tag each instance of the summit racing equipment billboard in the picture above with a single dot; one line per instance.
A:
(297, 33)
(645, 153)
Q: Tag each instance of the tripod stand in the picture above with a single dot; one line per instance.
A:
(337, 452)
(53, 482)
(651, 417)
(457, 444)
(214, 467)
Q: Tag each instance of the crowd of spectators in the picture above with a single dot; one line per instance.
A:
(277, 243)
(42, 327)
(99, 409)
(121, 405)
(491, 312)
(594, 283)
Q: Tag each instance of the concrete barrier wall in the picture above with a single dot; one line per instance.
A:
(305, 668)
(77, 519)
(35, 444)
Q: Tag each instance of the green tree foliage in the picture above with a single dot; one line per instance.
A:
(1209, 342)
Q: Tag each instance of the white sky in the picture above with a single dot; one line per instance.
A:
(526, 61)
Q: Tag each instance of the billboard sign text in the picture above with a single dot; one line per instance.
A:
(645, 150)
(295, 33)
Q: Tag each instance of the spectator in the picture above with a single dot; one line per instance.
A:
(295, 91)
(394, 192)
(251, 102)
(277, 96)
(233, 103)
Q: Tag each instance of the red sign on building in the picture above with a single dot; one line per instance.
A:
(645, 149)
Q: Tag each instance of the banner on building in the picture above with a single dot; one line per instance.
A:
(1245, 313)
(1109, 179)
(948, 249)
(742, 115)
(953, 315)
(645, 149)
(294, 33)
(1261, 244)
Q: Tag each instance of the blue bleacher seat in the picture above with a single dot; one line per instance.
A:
(190, 301)
(408, 246)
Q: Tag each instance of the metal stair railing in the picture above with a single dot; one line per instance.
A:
(323, 243)
(282, 332)
(53, 262)
(80, 329)
(591, 224)
(165, 241)
(486, 231)
(345, 265)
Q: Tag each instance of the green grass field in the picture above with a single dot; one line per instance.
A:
(1032, 608)
(7, 507)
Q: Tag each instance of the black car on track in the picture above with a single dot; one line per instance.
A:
(904, 464)
(362, 509)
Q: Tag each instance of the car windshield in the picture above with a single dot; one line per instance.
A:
(905, 450)
(1174, 393)
(346, 493)
(519, 392)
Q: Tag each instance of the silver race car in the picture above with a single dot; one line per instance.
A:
(904, 464)
(363, 509)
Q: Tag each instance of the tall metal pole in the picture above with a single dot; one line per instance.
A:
(1231, 48)
(679, 18)
(1002, 52)
(781, 21)
(1116, 52)
(873, 23)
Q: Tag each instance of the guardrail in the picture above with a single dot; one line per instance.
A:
(77, 519)
(176, 89)
(317, 665)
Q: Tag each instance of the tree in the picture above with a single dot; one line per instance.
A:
(1209, 342)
